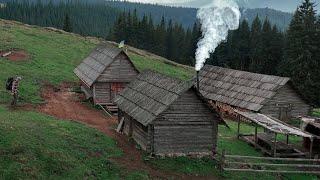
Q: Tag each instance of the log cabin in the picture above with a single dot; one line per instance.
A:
(227, 89)
(105, 73)
(167, 116)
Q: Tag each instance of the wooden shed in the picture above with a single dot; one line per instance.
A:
(166, 116)
(270, 95)
(105, 73)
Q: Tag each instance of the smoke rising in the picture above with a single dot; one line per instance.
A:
(216, 20)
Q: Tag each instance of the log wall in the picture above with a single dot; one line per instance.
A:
(101, 93)
(187, 127)
(286, 96)
(121, 70)
(137, 131)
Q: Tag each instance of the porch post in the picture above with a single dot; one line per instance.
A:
(311, 147)
(238, 126)
(275, 145)
(256, 136)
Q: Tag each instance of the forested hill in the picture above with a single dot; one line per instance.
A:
(184, 16)
(187, 16)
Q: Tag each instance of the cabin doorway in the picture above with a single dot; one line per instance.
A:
(116, 88)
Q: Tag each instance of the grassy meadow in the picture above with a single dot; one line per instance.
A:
(35, 146)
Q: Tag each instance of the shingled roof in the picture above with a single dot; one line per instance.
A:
(99, 59)
(149, 95)
(239, 88)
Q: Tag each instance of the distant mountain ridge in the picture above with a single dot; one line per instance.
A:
(183, 15)
(187, 16)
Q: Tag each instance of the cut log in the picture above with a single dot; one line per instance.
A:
(7, 54)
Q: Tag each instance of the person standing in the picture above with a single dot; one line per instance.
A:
(15, 90)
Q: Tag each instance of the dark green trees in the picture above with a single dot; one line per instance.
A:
(302, 62)
(168, 39)
(67, 24)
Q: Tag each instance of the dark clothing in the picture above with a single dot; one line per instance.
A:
(15, 86)
(15, 91)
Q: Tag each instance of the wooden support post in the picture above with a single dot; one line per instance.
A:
(222, 162)
(311, 147)
(239, 121)
(316, 157)
(287, 139)
(275, 145)
(256, 136)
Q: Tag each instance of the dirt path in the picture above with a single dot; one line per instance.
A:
(64, 104)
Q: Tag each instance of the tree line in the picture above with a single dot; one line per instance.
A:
(168, 39)
(88, 19)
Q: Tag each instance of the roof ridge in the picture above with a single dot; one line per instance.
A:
(247, 72)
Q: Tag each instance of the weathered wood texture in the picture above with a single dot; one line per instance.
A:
(105, 66)
(137, 131)
(169, 117)
(102, 93)
(186, 127)
(92, 66)
(238, 88)
(120, 70)
(286, 96)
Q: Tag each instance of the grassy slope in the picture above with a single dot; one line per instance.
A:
(54, 56)
(316, 113)
(39, 147)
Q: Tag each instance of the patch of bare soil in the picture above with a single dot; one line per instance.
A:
(63, 104)
(15, 55)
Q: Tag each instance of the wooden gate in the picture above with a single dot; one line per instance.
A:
(269, 164)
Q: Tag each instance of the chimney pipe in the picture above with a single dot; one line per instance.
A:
(198, 82)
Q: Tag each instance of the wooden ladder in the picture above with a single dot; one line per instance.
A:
(112, 108)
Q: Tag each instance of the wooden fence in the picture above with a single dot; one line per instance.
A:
(269, 164)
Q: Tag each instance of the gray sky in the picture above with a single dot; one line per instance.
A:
(283, 5)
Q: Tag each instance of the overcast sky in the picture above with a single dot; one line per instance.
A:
(283, 5)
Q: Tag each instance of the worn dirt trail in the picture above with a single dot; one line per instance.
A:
(63, 104)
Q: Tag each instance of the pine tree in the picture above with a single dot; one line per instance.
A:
(67, 24)
(266, 52)
(255, 46)
(301, 53)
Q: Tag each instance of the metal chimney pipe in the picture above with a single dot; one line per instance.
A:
(198, 81)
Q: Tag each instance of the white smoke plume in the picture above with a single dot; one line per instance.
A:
(216, 20)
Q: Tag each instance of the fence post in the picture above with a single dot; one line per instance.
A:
(239, 121)
(222, 161)
(316, 157)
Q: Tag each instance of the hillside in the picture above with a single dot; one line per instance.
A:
(36, 143)
(187, 16)
(53, 56)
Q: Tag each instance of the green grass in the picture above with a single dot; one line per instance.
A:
(143, 63)
(227, 140)
(35, 146)
(316, 113)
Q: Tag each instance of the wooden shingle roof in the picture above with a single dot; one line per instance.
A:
(99, 59)
(149, 95)
(239, 88)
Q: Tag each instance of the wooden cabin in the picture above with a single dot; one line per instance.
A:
(270, 95)
(105, 73)
(166, 116)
